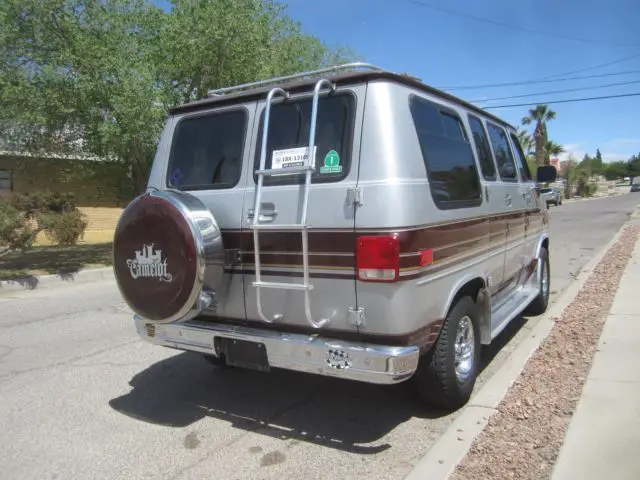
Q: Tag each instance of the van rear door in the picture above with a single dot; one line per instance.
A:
(206, 158)
(330, 213)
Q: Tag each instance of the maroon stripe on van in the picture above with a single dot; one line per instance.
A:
(335, 249)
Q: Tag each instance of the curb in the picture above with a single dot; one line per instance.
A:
(583, 199)
(45, 281)
(450, 449)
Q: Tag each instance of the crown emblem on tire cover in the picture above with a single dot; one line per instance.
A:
(149, 264)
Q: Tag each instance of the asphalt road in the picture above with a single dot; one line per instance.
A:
(82, 397)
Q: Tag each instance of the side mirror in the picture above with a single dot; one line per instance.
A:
(546, 174)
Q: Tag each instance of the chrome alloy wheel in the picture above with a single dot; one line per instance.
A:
(464, 349)
(544, 279)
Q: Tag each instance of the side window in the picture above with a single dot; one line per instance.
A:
(482, 147)
(446, 151)
(521, 160)
(289, 128)
(504, 158)
(5, 181)
(207, 150)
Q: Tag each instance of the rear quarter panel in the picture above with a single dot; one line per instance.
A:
(397, 198)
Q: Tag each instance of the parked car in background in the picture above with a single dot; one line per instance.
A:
(635, 187)
(553, 196)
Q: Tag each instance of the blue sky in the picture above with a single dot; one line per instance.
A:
(447, 50)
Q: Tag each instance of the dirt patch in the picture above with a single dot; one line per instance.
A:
(523, 439)
(54, 260)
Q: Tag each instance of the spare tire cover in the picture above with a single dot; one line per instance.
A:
(163, 243)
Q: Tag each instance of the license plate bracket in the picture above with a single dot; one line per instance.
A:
(243, 353)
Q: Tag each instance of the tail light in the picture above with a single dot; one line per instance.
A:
(378, 258)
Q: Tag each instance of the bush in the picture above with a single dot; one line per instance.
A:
(590, 189)
(15, 233)
(23, 217)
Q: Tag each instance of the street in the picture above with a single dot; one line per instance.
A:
(83, 397)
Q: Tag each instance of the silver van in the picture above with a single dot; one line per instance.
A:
(349, 222)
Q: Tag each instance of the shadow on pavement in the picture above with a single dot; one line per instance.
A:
(24, 267)
(340, 414)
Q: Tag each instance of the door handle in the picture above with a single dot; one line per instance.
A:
(265, 216)
(507, 199)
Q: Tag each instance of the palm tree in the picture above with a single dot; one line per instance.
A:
(526, 141)
(540, 115)
(552, 148)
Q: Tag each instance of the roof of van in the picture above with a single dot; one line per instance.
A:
(341, 79)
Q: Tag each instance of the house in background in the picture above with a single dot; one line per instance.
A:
(101, 188)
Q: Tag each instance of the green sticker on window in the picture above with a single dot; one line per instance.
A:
(331, 163)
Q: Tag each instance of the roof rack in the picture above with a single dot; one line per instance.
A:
(260, 83)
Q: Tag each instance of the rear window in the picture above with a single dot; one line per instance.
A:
(447, 154)
(288, 142)
(207, 150)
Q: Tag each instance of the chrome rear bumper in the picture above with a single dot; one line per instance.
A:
(303, 353)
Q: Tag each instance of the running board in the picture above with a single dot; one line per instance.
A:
(510, 309)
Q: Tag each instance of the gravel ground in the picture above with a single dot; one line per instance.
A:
(522, 440)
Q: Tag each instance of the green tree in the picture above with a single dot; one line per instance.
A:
(526, 141)
(633, 166)
(570, 172)
(598, 156)
(98, 76)
(616, 170)
(540, 116)
(593, 165)
(552, 148)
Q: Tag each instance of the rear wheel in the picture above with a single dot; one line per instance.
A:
(539, 305)
(447, 374)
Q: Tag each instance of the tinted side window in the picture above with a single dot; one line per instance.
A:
(504, 159)
(482, 147)
(207, 151)
(525, 173)
(447, 154)
(289, 128)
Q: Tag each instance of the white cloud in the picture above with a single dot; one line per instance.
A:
(615, 156)
(612, 151)
(622, 143)
(575, 150)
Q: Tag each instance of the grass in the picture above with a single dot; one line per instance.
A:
(54, 260)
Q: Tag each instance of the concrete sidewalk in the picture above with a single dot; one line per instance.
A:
(603, 438)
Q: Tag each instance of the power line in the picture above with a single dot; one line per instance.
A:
(586, 69)
(547, 102)
(557, 91)
(533, 82)
(514, 27)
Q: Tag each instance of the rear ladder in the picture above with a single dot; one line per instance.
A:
(303, 227)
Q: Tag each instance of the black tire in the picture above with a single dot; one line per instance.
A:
(435, 379)
(539, 305)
